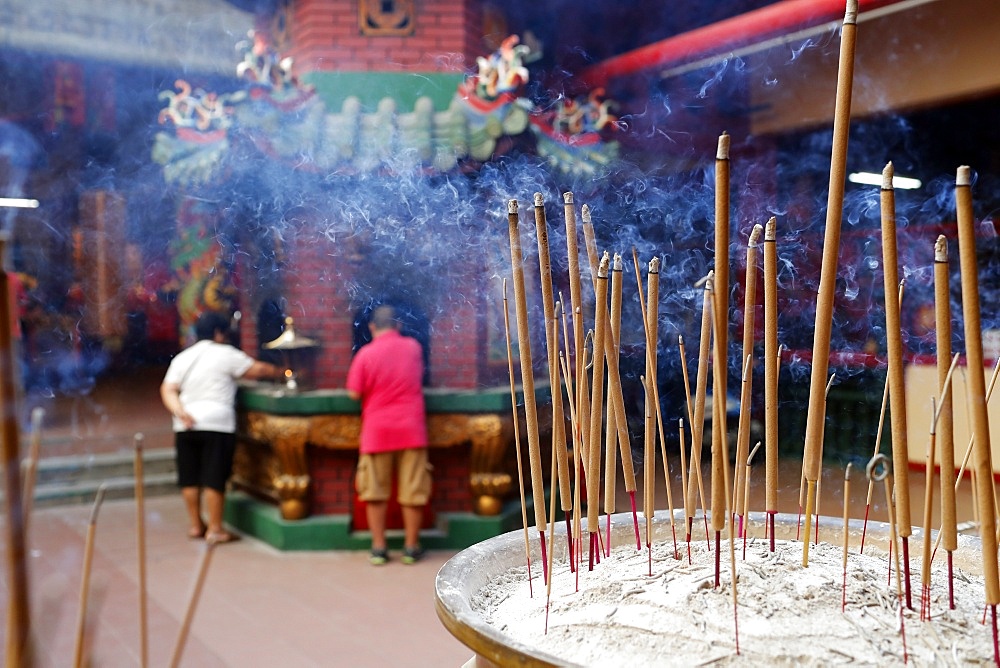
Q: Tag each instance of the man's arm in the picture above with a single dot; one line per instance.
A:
(259, 370)
(170, 394)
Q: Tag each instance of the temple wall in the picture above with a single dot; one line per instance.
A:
(437, 36)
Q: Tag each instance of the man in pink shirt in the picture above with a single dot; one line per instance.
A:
(386, 375)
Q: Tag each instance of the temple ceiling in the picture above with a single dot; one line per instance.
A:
(186, 35)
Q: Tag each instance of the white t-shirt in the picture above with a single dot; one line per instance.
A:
(207, 373)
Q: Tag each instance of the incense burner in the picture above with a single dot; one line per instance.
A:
(461, 580)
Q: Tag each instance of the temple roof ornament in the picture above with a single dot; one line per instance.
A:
(285, 120)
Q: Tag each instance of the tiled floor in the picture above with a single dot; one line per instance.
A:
(258, 606)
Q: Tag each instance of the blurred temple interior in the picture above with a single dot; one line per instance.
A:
(310, 159)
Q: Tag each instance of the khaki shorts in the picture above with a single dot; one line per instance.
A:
(373, 481)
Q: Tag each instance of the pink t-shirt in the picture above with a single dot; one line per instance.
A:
(387, 373)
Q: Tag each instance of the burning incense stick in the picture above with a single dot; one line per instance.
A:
(575, 290)
(199, 583)
(576, 303)
(616, 400)
(551, 344)
(88, 558)
(31, 466)
(527, 374)
(816, 415)
(720, 327)
(517, 434)
(749, 308)
(650, 326)
(596, 401)
(18, 619)
(611, 436)
(977, 387)
(946, 429)
(847, 502)
(140, 539)
(897, 390)
(771, 375)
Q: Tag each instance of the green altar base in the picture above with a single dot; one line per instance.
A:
(454, 531)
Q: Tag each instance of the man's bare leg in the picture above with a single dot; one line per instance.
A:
(413, 517)
(192, 502)
(214, 503)
(376, 512)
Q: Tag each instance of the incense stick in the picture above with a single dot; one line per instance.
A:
(749, 308)
(199, 583)
(894, 348)
(847, 501)
(650, 326)
(596, 401)
(816, 415)
(946, 431)
(140, 539)
(746, 496)
(925, 597)
(771, 375)
(878, 445)
(974, 356)
(517, 435)
(698, 421)
(88, 558)
(31, 466)
(527, 373)
(720, 329)
(18, 619)
(611, 442)
(558, 440)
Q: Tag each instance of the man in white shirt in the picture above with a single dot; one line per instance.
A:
(199, 390)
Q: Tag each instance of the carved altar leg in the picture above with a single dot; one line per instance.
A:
(287, 436)
(488, 482)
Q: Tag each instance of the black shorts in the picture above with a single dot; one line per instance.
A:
(204, 458)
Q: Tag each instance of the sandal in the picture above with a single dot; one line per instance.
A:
(221, 537)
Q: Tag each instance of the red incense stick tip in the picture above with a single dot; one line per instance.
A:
(964, 176)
